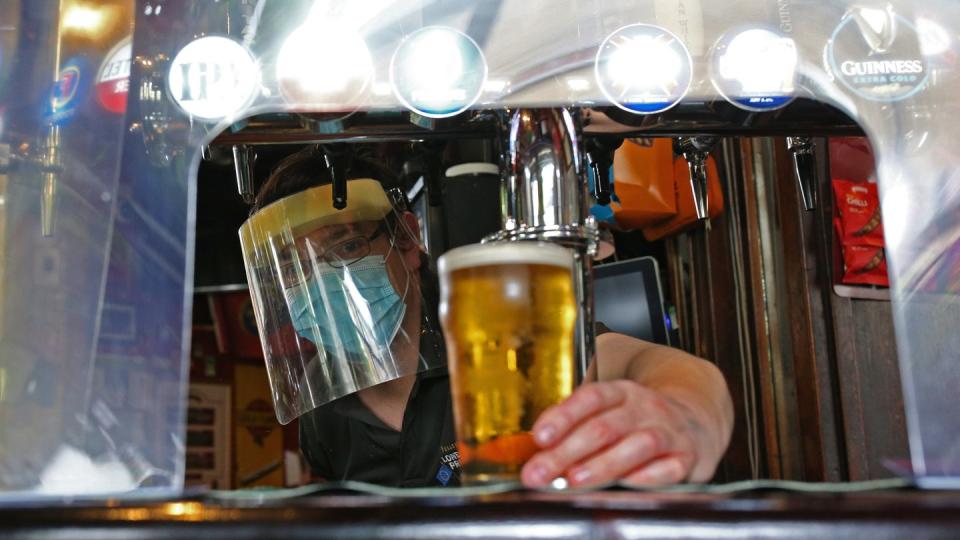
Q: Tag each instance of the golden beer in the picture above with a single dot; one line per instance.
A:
(508, 312)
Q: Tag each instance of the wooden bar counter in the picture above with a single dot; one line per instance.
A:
(889, 514)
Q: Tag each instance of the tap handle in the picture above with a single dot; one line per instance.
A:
(600, 151)
(244, 158)
(601, 180)
(338, 180)
(696, 150)
(698, 183)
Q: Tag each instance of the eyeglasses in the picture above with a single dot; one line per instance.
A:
(339, 255)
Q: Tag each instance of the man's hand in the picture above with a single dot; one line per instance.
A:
(621, 430)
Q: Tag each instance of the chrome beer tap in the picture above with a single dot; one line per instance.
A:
(244, 159)
(50, 168)
(695, 150)
(805, 169)
(544, 196)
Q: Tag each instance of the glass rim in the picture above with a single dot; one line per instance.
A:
(506, 253)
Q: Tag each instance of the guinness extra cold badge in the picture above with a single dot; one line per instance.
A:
(876, 53)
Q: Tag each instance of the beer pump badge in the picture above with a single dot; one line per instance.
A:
(643, 69)
(755, 69)
(438, 72)
(69, 91)
(213, 78)
(113, 78)
(324, 65)
(877, 55)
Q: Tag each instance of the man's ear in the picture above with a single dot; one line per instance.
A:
(408, 239)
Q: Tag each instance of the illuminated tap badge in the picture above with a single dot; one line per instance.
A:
(325, 66)
(755, 69)
(69, 91)
(113, 78)
(438, 72)
(213, 77)
(643, 69)
(876, 54)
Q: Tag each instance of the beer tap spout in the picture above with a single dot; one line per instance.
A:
(805, 169)
(696, 150)
(544, 198)
(244, 159)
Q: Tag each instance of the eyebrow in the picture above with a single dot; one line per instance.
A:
(340, 232)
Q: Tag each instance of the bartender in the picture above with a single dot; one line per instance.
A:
(346, 303)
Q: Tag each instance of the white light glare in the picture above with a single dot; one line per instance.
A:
(645, 64)
(495, 86)
(434, 67)
(325, 63)
(578, 84)
(763, 62)
(898, 212)
(83, 18)
(438, 72)
(934, 38)
(382, 88)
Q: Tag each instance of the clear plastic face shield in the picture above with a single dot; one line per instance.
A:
(337, 294)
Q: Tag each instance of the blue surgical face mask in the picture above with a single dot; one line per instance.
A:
(352, 311)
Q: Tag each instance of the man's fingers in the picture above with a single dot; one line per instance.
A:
(631, 452)
(589, 437)
(586, 401)
(663, 471)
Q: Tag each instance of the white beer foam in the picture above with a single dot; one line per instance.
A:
(522, 252)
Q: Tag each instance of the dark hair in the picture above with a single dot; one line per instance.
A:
(308, 168)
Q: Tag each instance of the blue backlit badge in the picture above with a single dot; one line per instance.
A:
(877, 55)
(643, 69)
(755, 69)
(438, 72)
(68, 92)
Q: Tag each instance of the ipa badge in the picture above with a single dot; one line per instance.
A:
(213, 77)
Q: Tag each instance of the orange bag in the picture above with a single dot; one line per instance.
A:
(643, 182)
(686, 209)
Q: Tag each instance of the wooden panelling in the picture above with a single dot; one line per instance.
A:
(806, 249)
(715, 315)
(867, 371)
(750, 207)
(813, 376)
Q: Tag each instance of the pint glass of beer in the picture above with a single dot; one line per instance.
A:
(508, 312)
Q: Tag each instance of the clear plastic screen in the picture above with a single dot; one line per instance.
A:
(94, 324)
(93, 265)
(341, 296)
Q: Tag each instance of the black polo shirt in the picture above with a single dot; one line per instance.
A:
(344, 440)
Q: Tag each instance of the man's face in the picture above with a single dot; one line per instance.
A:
(345, 245)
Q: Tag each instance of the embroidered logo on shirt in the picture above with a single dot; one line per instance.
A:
(444, 475)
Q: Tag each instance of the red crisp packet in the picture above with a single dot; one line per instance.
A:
(859, 208)
(865, 265)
